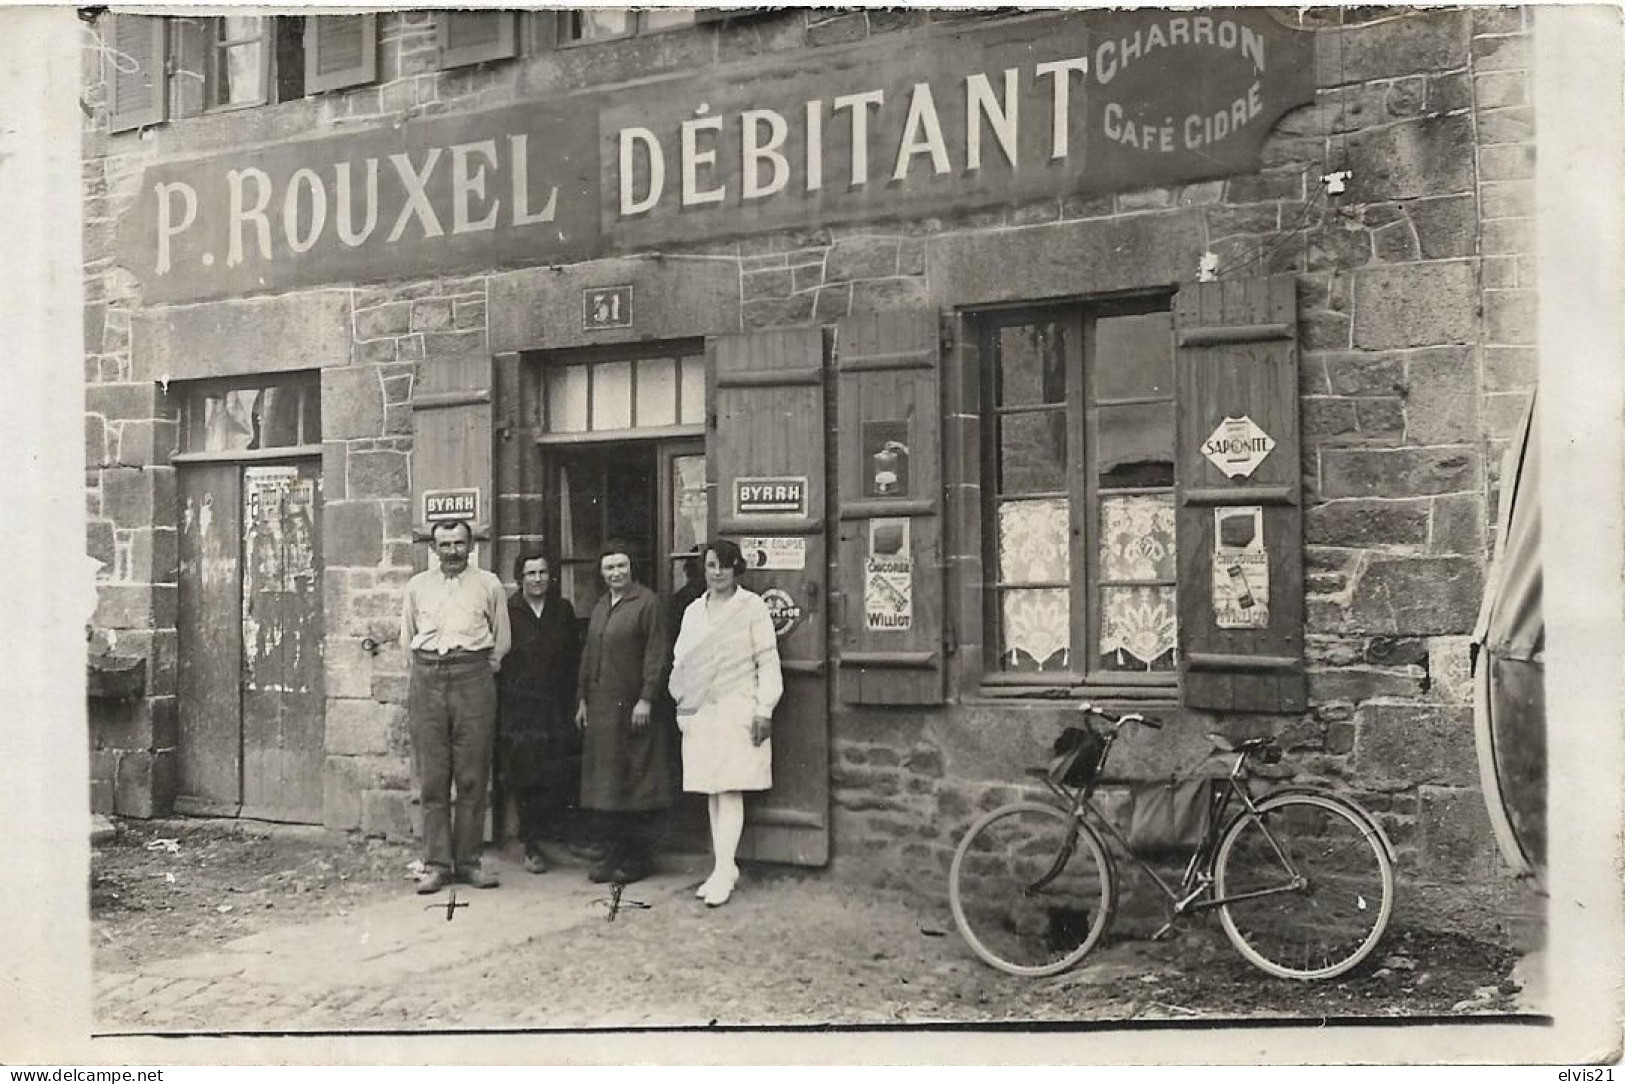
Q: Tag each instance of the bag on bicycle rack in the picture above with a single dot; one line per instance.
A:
(1076, 756)
(1169, 818)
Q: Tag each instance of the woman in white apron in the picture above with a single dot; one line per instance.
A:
(725, 679)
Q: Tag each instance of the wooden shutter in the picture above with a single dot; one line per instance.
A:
(890, 567)
(1238, 359)
(340, 51)
(767, 394)
(471, 37)
(138, 84)
(451, 439)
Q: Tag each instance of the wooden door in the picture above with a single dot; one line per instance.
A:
(283, 698)
(766, 458)
(209, 679)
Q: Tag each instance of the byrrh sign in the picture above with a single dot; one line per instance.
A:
(1075, 103)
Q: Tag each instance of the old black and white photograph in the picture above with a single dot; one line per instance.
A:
(640, 526)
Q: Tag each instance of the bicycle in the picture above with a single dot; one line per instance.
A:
(1303, 880)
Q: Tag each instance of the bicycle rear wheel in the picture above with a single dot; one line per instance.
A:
(1031, 888)
(1317, 881)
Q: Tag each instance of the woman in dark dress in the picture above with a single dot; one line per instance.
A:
(539, 748)
(628, 754)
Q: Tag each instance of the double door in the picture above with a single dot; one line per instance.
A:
(250, 682)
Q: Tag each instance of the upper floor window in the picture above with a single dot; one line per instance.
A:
(602, 24)
(1078, 405)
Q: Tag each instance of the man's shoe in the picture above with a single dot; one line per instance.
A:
(630, 870)
(535, 862)
(603, 872)
(431, 881)
(475, 877)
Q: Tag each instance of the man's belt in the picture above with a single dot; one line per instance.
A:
(453, 657)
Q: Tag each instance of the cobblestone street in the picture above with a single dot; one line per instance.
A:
(791, 948)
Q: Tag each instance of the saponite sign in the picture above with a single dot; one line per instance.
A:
(1238, 446)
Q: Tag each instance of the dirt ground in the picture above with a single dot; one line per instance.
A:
(792, 947)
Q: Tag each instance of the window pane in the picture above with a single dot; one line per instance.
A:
(1036, 630)
(1134, 356)
(690, 503)
(1137, 538)
(693, 391)
(1137, 629)
(612, 395)
(667, 18)
(591, 24)
(580, 514)
(1134, 445)
(1031, 360)
(276, 418)
(240, 73)
(1032, 452)
(311, 431)
(228, 421)
(567, 399)
(657, 392)
(1032, 542)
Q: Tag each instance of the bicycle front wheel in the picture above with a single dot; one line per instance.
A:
(1306, 887)
(1031, 888)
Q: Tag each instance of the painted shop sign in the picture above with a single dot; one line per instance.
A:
(1076, 103)
(448, 504)
(770, 496)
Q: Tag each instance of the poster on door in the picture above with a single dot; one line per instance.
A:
(279, 576)
(1241, 569)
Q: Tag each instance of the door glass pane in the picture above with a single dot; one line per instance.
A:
(1137, 629)
(1031, 364)
(691, 505)
(1134, 356)
(1134, 445)
(612, 395)
(1032, 542)
(657, 392)
(1032, 452)
(693, 412)
(1137, 538)
(1036, 629)
(567, 399)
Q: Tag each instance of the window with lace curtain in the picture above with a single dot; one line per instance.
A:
(1078, 488)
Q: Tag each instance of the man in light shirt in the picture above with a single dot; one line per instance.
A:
(454, 626)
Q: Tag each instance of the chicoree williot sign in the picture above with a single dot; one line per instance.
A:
(980, 115)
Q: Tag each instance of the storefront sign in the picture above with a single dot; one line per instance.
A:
(888, 594)
(783, 609)
(1238, 446)
(770, 496)
(1241, 569)
(606, 307)
(772, 554)
(1075, 103)
(445, 504)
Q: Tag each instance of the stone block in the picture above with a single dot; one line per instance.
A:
(352, 402)
(376, 474)
(359, 726)
(143, 725)
(1458, 525)
(1397, 472)
(1506, 162)
(806, 277)
(1358, 685)
(1509, 237)
(389, 688)
(1456, 841)
(383, 321)
(154, 554)
(833, 303)
(1405, 745)
(1266, 185)
(1450, 672)
(682, 297)
(1364, 374)
(341, 795)
(1249, 219)
(1508, 199)
(375, 352)
(1516, 125)
(1374, 524)
(138, 496)
(143, 443)
(352, 534)
(1510, 368)
(1426, 157)
(1442, 402)
(1501, 89)
(391, 814)
(335, 468)
(853, 26)
(771, 283)
(1028, 214)
(1434, 41)
(1446, 227)
(432, 314)
(1416, 596)
(95, 441)
(1380, 419)
(1409, 305)
(1396, 242)
(346, 669)
(134, 606)
(126, 401)
(886, 295)
(1509, 316)
(1501, 53)
(99, 541)
(144, 785)
(862, 258)
(311, 330)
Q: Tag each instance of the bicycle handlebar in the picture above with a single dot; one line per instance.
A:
(1119, 719)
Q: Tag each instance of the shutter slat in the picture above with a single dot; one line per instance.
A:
(138, 92)
(888, 389)
(1238, 358)
(473, 37)
(340, 51)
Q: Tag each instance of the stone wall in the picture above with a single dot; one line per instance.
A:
(1416, 336)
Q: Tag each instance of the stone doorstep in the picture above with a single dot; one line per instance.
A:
(397, 938)
(101, 829)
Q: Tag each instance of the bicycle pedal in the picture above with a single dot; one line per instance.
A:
(1167, 927)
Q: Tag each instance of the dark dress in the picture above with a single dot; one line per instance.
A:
(622, 662)
(538, 746)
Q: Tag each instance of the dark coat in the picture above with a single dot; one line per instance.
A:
(537, 741)
(623, 661)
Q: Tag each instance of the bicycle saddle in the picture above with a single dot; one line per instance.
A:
(1223, 744)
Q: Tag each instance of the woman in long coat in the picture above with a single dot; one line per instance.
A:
(627, 758)
(539, 748)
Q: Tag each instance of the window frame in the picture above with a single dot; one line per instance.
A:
(639, 27)
(1081, 492)
(193, 393)
(215, 50)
